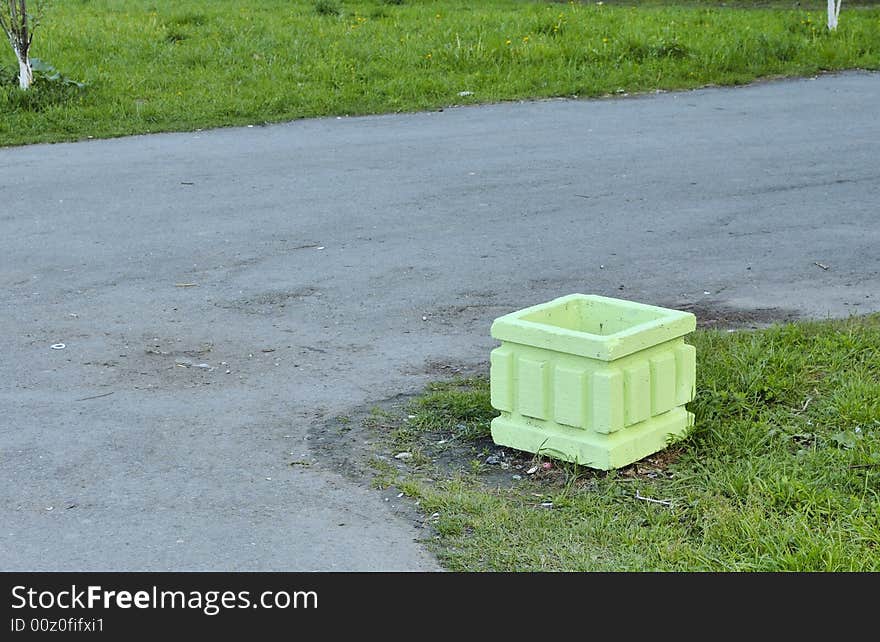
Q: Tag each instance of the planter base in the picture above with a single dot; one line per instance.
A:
(602, 451)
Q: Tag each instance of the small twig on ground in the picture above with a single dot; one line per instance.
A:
(874, 465)
(106, 394)
(186, 285)
(665, 502)
(804, 407)
(821, 265)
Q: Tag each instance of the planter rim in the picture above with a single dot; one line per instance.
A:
(667, 325)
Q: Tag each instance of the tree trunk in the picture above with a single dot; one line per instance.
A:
(833, 13)
(25, 73)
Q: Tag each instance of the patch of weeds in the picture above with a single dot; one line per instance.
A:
(45, 73)
(639, 51)
(385, 475)
(49, 89)
(8, 77)
(669, 49)
(173, 36)
(378, 413)
(804, 25)
(189, 19)
(550, 26)
(328, 7)
(476, 466)
(461, 405)
(770, 48)
(343, 424)
(449, 525)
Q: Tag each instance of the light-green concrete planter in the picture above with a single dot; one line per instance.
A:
(598, 381)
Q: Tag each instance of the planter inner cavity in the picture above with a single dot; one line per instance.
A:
(598, 316)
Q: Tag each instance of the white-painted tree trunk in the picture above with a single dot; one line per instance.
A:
(25, 73)
(18, 23)
(833, 13)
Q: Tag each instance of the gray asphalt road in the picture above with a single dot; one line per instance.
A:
(318, 266)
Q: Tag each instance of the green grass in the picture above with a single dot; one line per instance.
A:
(183, 65)
(780, 473)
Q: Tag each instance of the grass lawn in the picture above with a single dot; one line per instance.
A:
(780, 473)
(181, 65)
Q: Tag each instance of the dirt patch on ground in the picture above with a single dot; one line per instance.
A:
(454, 316)
(156, 363)
(267, 303)
(447, 369)
(361, 444)
(716, 315)
(358, 445)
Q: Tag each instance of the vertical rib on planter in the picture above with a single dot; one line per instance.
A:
(590, 379)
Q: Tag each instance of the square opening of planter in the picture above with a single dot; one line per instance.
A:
(593, 326)
(592, 379)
